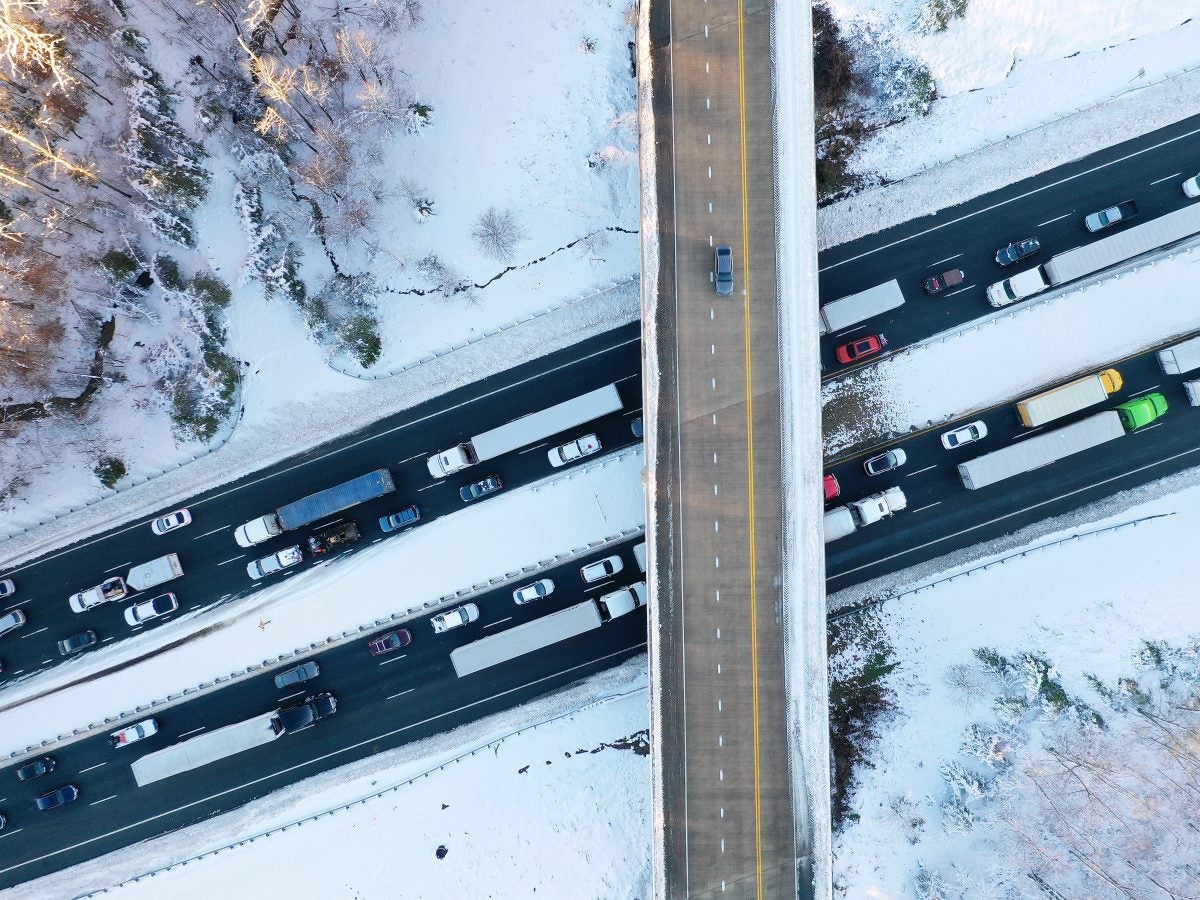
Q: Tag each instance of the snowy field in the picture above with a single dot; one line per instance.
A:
(950, 800)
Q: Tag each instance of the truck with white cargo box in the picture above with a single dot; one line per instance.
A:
(1068, 398)
(513, 642)
(155, 572)
(855, 308)
(1080, 262)
(220, 743)
(1181, 358)
(1043, 449)
(1192, 388)
(526, 430)
(316, 506)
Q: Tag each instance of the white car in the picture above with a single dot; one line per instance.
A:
(622, 601)
(535, 591)
(151, 609)
(1191, 187)
(967, 434)
(601, 569)
(452, 618)
(131, 734)
(573, 450)
(7, 588)
(276, 562)
(107, 591)
(171, 521)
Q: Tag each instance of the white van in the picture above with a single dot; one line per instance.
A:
(639, 553)
(626, 600)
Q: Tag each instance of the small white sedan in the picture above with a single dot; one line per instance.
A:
(171, 521)
(452, 618)
(7, 588)
(967, 434)
(535, 591)
(131, 734)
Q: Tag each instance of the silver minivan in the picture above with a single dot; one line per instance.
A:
(12, 621)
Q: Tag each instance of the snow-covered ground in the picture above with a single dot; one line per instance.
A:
(1107, 318)
(515, 530)
(1087, 607)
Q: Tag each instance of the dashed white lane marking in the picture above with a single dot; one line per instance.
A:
(1167, 178)
(919, 471)
(1055, 219)
(930, 506)
(946, 260)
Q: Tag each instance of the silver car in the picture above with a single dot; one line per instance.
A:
(298, 675)
(723, 270)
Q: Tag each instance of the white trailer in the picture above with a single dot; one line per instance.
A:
(838, 523)
(526, 430)
(855, 308)
(1040, 450)
(1123, 245)
(1067, 398)
(1193, 392)
(155, 572)
(513, 642)
(206, 748)
(1181, 358)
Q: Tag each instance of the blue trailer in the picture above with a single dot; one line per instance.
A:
(316, 506)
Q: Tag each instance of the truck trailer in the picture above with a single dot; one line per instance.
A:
(1182, 357)
(1080, 262)
(513, 642)
(855, 308)
(526, 430)
(207, 748)
(155, 572)
(316, 506)
(1067, 398)
(1043, 449)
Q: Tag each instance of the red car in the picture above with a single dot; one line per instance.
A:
(391, 641)
(861, 349)
(833, 490)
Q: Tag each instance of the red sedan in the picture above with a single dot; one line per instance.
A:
(861, 349)
(832, 489)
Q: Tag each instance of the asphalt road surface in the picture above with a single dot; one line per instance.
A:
(215, 566)
(383, 702)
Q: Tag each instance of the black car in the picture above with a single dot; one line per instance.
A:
(340, 534)
(1018, 250)
(293, 718)
(68, 793)
(77, 642)
(489, 485)
(35, 768)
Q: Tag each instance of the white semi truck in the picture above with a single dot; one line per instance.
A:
(1098, 255)
(1181, 358)
(844, 520)
(221, 743)
(855, 308)
(542, 632)
(526, 430)
(1068, 398)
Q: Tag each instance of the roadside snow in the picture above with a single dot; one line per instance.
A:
(584, 504)
(1081, 605)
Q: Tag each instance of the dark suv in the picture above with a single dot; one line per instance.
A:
(489, 485)
(41, 766)
(293, 718)
(77, 642)
(68, 793)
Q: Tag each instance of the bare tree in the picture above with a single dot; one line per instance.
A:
(497, 233)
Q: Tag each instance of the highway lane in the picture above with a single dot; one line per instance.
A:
(383, 702)
(943, 516)
(215, 567)
(1050, 205)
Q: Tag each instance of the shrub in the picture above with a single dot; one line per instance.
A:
(211, 291)
(937, 15)
(360, 337)
(833, 62)
(110, 470)
(908, 88)
(167, 272)
(120, 266)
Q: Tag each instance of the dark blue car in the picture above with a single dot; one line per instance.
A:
(1018, 250)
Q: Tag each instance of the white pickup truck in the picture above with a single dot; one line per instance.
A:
(106, 592)
(573, 450)
(269, 565)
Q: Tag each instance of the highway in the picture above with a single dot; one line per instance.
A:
(383, 702)
(215, 566)
(1050, 206)
(943, 516)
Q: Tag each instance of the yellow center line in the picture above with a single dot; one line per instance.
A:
(750, 450)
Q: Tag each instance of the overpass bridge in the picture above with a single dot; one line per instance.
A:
(737, 629)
